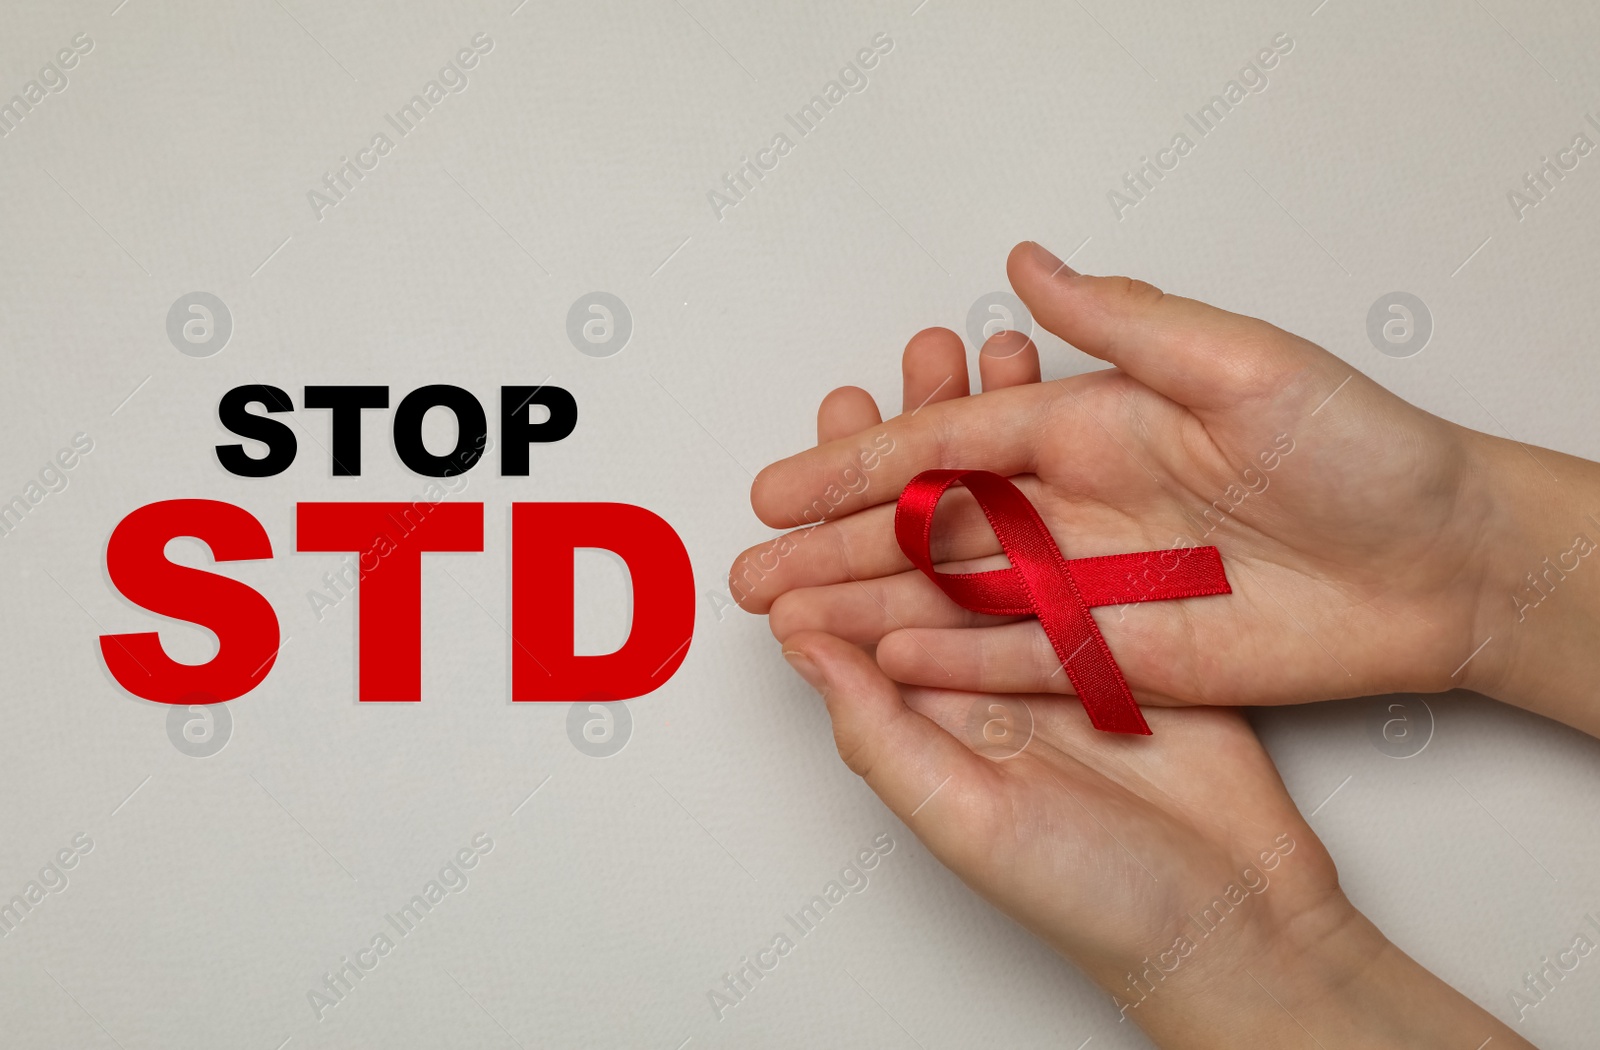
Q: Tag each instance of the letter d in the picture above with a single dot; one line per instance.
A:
(543, 539)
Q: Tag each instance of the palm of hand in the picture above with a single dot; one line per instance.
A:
(1341, 575)
(1111, 847)
(1347, 520)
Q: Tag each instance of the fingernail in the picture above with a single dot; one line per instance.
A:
(1044, 257)
(805, 669)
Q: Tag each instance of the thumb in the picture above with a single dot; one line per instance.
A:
(902, 755)
(1192, 353)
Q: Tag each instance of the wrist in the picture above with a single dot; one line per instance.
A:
(1539, 607)
(1325, 972)
(1227, 998)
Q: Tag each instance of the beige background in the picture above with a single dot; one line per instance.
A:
(579, 158)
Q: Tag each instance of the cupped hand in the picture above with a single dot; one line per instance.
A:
(1355, 528)
(1182, 850)
(1174, 869)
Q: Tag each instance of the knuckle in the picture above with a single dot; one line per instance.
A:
(1132, 293)
(856, 751)
(838, 535)
(1256, 367)
(941, 435)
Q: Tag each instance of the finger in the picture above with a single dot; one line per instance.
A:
(845, 411)
(1008, 359)
(1193, 353)
(934, 367)
(1168, 655)
(1097, 491)
(902, 755)
(861, 547)
(998, 431)
(1010, 658)
(863, 611)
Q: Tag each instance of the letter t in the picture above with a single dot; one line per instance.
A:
(389, 597)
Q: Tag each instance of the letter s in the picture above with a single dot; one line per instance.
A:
(232, 412)
(243, 621)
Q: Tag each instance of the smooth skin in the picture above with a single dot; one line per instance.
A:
(1374, 556)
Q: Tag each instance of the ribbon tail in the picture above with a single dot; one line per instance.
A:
(1087, 659)
(1149, 576)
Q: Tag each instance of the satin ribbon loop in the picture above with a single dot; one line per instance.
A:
(1060, 592)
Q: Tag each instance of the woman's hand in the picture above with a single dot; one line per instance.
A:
(1173, 869)
(1371, 546)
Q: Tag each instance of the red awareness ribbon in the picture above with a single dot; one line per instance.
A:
(1060, 592)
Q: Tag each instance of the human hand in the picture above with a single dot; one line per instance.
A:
(1174, 869)
(1372, 547)
(1146, 861)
